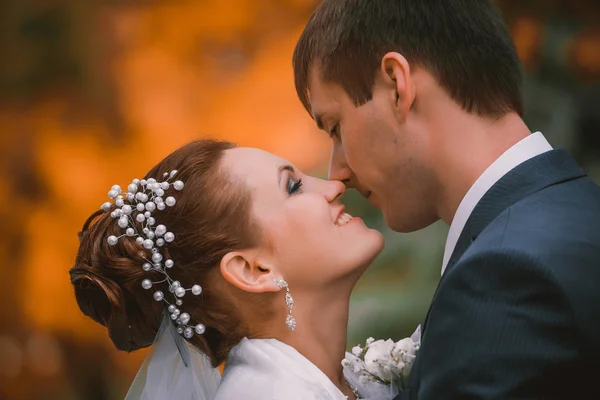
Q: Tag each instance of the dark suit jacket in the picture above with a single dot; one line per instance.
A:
(516, 314)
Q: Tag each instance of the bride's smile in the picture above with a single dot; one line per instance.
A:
(310, 237)
(344, 218)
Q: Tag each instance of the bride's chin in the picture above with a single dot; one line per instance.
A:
(360, 268)
(356, 264)
(375, 248)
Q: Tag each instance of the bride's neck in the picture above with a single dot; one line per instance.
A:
(321, 332)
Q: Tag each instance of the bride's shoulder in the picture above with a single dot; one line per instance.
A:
(262, 369)
(251, 384)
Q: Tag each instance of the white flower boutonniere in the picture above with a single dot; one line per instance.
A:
(385, 361)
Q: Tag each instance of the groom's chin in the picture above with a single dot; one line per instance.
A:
(408, 222)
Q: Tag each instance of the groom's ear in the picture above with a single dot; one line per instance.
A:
(246, 272)
(396, 74)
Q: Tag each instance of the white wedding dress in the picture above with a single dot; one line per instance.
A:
(267, 369)
(256, 369)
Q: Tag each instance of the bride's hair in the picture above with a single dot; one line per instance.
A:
(211, 218)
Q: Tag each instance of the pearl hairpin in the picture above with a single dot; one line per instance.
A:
(142, 199)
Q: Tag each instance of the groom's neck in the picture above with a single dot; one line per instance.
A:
(470, 145)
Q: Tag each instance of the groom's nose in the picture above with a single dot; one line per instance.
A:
(339, 169)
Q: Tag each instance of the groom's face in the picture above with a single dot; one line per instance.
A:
(376, 152)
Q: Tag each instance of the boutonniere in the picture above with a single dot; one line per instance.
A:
(385, 361)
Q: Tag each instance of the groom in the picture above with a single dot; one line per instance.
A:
(422, 101)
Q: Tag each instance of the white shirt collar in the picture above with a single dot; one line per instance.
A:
(529, 147)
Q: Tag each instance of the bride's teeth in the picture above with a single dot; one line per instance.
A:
(343, 219)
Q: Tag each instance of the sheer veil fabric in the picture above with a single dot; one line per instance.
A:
(173, 369)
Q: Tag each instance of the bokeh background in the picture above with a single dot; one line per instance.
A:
(94, 92)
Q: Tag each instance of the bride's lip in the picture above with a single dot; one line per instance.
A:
(353, 219)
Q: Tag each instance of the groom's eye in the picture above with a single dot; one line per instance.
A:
(334, 132)
(294, 186)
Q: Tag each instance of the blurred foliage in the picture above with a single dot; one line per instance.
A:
(94, 92)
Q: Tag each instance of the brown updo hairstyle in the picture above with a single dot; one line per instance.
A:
(212, 217)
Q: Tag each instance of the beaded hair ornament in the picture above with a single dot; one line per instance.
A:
(144, 197)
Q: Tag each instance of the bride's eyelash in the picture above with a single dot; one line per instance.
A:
(294, 186)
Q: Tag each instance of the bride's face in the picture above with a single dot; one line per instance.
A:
(308, 237)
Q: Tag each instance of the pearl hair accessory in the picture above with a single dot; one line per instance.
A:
(142, 199)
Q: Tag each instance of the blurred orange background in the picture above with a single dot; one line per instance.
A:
(95, 92)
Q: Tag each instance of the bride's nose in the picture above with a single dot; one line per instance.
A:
(333, 190)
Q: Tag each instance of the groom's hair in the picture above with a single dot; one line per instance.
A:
(464, 44)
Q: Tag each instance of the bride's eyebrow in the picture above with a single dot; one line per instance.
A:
(281, 169)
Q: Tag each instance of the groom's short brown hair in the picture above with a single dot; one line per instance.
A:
(464, 44)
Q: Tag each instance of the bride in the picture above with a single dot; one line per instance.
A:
(227, 255)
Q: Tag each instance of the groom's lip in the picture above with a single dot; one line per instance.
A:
(371, 199)
(364, 193)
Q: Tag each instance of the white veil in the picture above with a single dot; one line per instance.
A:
(174, 369)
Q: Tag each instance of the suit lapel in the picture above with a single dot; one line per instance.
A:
(531, 176)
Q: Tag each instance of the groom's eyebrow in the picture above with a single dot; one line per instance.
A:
(281, 169)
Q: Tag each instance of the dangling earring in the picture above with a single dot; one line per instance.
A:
(289, 301)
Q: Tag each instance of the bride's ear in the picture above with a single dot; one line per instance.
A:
(247, 273)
